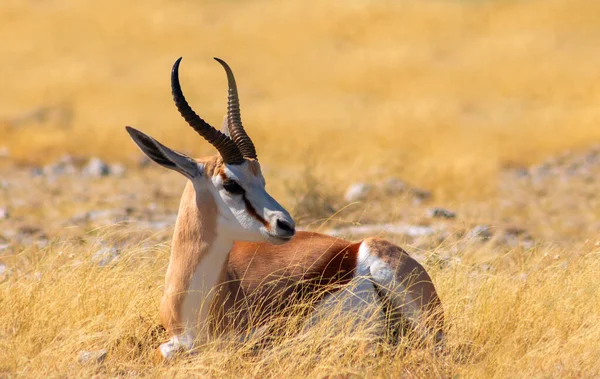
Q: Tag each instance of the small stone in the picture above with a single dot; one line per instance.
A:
(101, 214)
(441, 213)
(42, 243)
(4, 214)
(358, 192)
(29, 230)
(105, 255)
(522, 173)
(117, 169)
(451, 261)
(591, 158)
(37, 171)
(515, 236)
(3, 269)
(515, 231)
(542, 169)
(393, 186)
(59, 169)
(63, 166)
(420, 195)
(96, 168)
(96, 356)
(564, 265)
(572, 169)
(415, 230)
(482, 232)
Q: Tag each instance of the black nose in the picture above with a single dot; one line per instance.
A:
(284, 226)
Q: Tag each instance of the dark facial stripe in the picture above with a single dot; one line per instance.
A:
(250, 209)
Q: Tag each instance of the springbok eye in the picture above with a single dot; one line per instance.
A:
(232, 187)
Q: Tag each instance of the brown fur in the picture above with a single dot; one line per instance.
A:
(212, 166)
(264, 280)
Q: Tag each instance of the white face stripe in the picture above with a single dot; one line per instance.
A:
(254, 215)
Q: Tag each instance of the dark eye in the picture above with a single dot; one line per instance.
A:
(233, 188)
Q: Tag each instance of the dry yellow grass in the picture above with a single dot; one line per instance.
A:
(529, 316)
(444, 94)
(407, 84)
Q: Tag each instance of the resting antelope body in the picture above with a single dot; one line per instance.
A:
(237, 261)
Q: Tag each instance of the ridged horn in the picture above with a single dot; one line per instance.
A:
(236, 130)
(229, 151)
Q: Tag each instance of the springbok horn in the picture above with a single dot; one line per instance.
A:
(236, 130)
(230, 153)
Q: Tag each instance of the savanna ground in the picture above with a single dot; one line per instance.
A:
(492, 106)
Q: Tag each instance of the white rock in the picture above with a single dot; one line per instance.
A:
(482, 232)
(393, 186)
(105, 255)
(358, 192)
(4, 214)
(64, 166)
(117, 169)
(96, 356)
(37, 171)
(96, 168)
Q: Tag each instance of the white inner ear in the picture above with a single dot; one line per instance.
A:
(225, 126)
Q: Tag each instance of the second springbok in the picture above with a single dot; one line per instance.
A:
(237, 262)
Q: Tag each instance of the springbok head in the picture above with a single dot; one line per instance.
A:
(233, 178)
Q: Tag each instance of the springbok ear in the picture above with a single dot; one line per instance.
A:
(164, 156)
(225, 127)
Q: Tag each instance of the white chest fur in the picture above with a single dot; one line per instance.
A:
(201, 290)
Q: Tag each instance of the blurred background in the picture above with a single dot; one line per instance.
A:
(441, 93)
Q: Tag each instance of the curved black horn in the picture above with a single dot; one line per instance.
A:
(230, 153)
(236, 130)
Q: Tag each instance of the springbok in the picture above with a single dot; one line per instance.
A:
(237, 261)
